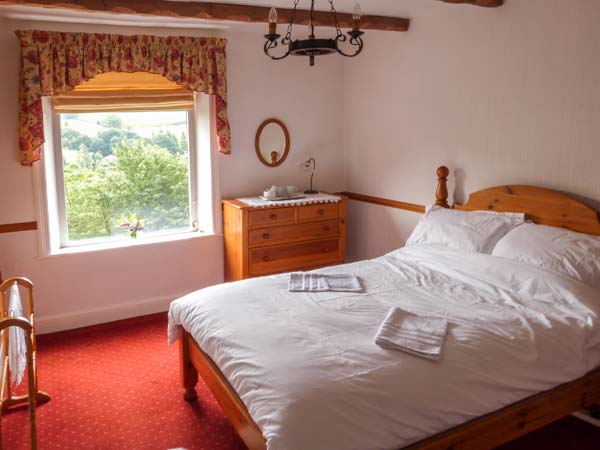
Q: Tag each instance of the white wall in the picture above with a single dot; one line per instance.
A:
(506, 95)
(502, 96)
(308, 100)
(80, 289)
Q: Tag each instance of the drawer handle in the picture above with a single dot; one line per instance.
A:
(273, 216)
(266, 259)
(325, 250)
(266, 236)
(320, 212)
(327, 227)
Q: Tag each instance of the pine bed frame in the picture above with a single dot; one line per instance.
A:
(542, 206)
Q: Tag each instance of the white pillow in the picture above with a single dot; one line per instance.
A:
(472, 231)
(574, 254)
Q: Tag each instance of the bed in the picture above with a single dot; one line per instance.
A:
(300, 371)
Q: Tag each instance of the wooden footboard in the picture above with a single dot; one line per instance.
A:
(194, 362)
(483, 433)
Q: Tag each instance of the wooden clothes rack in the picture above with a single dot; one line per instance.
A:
(26, 326)
(7, 319)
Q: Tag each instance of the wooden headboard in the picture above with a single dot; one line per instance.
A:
(542, 206)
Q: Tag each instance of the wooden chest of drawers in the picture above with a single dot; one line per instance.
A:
(264, 241)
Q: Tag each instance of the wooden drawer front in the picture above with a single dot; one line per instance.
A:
(274, 216)
(324, 211)
(292, 233)
(281, 258)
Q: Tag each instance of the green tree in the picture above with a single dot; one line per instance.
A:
(72, 139)
(153, 184)
(111, 121)
(111, 137)
(107, 139)
(84, 158)
(100, 146)
(183, 143)
(166, 140)
(88, 197)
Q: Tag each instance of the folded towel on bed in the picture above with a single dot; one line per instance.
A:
(318, 282)
(417, 335)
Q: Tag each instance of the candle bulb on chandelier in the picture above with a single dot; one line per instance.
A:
(356, 15)
(313, 46)
(273, 21)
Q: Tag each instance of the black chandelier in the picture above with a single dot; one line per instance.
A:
(312, 46)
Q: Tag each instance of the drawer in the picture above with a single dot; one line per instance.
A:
(292, 233)
(270, 216)
(324, 211)
(282, 258)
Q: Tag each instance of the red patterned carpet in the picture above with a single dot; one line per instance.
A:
(116, 386)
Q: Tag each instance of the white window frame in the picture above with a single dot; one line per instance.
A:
(203, 187)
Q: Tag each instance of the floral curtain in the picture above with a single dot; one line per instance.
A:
(55, 62)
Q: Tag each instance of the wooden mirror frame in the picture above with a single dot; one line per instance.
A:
(287, 142)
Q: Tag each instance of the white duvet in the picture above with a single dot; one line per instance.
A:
(307, 368)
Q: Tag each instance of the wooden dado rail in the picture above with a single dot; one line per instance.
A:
(441, 195)
(385, 202)
(12, 227)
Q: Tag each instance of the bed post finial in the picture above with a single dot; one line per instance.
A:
(441, 195)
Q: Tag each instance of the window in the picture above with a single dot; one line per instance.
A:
(123, 162)
(123, 171)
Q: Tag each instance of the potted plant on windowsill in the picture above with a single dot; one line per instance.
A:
(133, 226)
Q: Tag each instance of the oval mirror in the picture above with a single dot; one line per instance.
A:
(272, 142)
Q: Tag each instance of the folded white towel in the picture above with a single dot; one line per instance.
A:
(417, 335)
(318, 282)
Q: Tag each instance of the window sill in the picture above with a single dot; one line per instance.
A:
(123, 244)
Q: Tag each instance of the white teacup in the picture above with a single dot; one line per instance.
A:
(280, 191)
(291, 190)
(270, 194)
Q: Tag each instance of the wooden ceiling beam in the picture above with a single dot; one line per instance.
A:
(484, 3)
(214, 11)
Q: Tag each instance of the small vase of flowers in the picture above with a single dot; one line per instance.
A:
(133, 225)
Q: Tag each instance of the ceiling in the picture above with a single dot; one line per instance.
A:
(397, 8)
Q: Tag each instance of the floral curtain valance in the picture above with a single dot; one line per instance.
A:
(54, 62)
